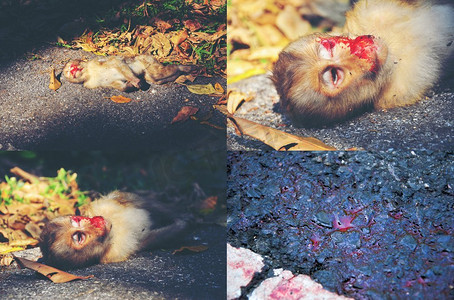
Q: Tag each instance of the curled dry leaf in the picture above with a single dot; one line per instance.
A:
(54, 83)
(184, 114)
(235, 99)
(54, 274)
(183, 78)
(277, 139)
(6, 260)
(120, 99)
(179, 37)
(202, 89)
(218, 87)
(192, 25)
(191, 249)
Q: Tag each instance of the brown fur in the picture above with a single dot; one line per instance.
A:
(129, 229)
(124, 74)
(411, 39)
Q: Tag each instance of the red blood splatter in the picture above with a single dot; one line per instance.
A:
(97, 221)
(73, 69)
(363, 47)
(343, 223)
(396, 214)
(315, 239)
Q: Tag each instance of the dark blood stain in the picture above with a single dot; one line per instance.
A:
(345, 220)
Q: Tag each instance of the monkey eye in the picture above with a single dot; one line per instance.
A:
(333, 76)
(79, 237)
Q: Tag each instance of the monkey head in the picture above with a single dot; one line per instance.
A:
(323, 79)
(74, 241)
(73, 71)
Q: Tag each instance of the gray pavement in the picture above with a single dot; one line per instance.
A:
(34, 117)
(153, 274)
(427, 125)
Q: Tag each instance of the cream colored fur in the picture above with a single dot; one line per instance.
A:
(416, 36)
(130, 226)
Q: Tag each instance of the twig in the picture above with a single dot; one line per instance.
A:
(25, 175)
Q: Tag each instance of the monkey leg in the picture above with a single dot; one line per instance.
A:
(122, 85)
(164, 74)
(164, 235)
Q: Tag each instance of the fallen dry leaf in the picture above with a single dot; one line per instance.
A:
(192, 25)
(235, 99)
(184, 114)
(191, 248)
(277, 139)
(6, 260)
(203, 89)
(6, 248)
(54, 83)
(179, 37)
(120, 99)
(54, 274)
(208, 205)
(218, 87)
(24, 242)
(183, 78)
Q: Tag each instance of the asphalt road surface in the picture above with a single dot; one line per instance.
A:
(157, 274)
(34, 117)
(428, 124)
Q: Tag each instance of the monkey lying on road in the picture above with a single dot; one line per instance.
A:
(390, 54)
(124, 74)
(111, 229)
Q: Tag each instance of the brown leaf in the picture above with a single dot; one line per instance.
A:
(54, 83)
(162, 25)
(6, 260)
(218, 87)
(183, 78)
(192, 25)
(120, 99)
(202, 89)
(161, 44)
(199, 248)
(179, 38)
(277, 139)
(235, 99)
(24, 242)
(54, 274)
(208, 205)
(184, 114)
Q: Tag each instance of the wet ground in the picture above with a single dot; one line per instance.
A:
(362, 224)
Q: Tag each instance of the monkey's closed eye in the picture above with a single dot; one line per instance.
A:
(79, 238)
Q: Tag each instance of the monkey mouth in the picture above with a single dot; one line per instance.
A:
(333, 76)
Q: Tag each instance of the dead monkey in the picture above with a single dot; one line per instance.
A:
(111, 229)
(124, 74)
(390, 54)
